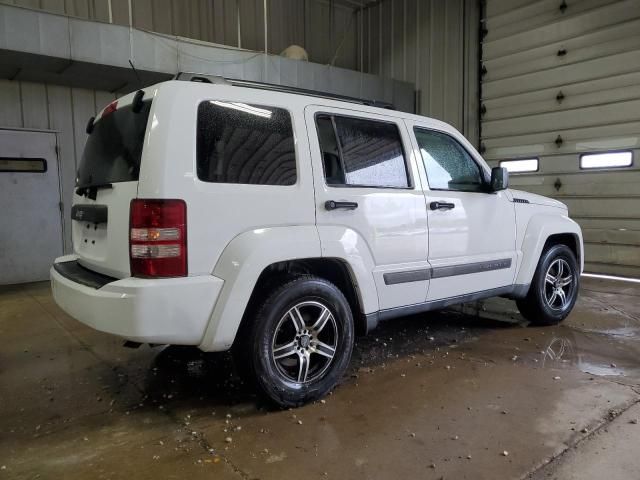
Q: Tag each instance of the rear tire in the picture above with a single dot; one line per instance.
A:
(299, 342)
(554, 288)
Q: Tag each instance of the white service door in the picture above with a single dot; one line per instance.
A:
(373, 169)
(31, 233)
(472, 232)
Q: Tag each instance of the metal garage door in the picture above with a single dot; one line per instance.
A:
(30, 219)
(561, 79)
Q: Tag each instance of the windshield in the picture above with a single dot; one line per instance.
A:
(114, 148)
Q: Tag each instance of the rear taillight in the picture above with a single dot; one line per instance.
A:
(158, 238)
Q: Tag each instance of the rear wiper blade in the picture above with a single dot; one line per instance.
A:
(97, 186)
(91, 191)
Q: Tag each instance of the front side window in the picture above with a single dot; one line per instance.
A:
(448, 165)
(360, 152)
(247, 144)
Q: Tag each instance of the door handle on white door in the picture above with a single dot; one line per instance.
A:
(333, 205)
(441, 206)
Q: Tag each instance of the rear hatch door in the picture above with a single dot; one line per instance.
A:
(106, 183)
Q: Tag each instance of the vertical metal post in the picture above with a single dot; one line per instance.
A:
(305, 11)
(380, 38)
(266, 50)
(238, 24)
(331, 33)
(369, 39)
(418, 49)
(393, 44)
(361, 24)
(404, 41)
(110, 11)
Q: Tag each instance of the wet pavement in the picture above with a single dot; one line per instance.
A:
(443, 395)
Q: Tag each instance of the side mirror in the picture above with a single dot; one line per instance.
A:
(499, 179)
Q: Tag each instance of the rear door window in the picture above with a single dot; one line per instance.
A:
(114, 148)
(361, 153)
(245, 144)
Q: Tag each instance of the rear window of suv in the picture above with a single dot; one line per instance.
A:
(114, 148)
(246, 144)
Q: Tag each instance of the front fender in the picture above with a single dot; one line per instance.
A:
(240, 265)
(540, 227)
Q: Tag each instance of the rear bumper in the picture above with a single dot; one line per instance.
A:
(168, 310)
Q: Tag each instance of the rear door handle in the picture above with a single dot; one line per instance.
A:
(441, 206)
(333, 205)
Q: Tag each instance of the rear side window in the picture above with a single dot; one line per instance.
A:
(360, 152)
(247, 144)
(114, 148)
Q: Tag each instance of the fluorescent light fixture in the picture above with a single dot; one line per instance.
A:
(606, 160)
(243, 107)
(612, 277)
(521, 165)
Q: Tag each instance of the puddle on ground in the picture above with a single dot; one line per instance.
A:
(628, 332)
(601, 352)
(600, 370)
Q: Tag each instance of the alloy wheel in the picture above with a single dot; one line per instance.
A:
(305, 342)
(558, 284)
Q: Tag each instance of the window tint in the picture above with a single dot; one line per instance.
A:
(114, 149)
(448, 165)
(241, 143)
(365, 153)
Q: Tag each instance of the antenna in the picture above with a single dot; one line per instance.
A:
(136, 72)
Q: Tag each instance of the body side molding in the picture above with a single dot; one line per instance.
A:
(476, 267)
(393, 278)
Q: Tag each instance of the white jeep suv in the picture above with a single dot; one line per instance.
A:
(279, 222)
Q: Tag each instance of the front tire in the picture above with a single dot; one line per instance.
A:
(554, 288)
(299, 343)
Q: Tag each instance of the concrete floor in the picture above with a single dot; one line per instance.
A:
(444, 395)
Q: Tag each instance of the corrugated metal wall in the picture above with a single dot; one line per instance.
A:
(433, 43)
(320, 26)
(37, 106)
(562, 79)
(421, 41)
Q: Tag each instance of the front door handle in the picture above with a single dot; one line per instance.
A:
(333, 205)
(441, 206)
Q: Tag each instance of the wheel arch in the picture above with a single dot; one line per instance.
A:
(255, 258)
(334, 270)
(571, 240)
(543, 231)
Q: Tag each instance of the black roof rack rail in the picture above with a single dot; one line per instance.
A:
(218, 80)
